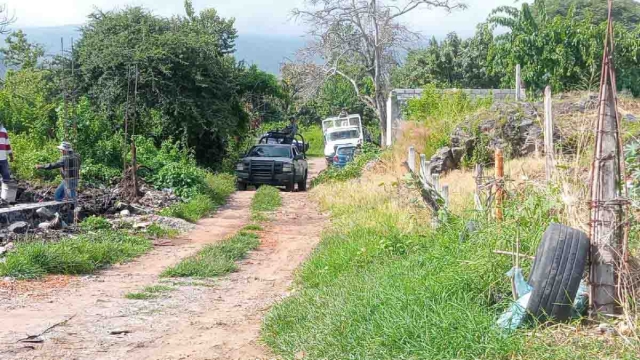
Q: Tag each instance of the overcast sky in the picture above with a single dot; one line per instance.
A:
(252, 16)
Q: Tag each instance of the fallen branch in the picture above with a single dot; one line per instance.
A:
(500, 252)
(35, 338)
(430, 196)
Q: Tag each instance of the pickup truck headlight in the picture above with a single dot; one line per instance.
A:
(286, 167)
(240, 167)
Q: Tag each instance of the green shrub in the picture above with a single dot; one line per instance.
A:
(217, 259)
(80, 255)
(93, 223)
(352, 170)
(442, 112)
(30, 151)
(213, 195)
(313, 135)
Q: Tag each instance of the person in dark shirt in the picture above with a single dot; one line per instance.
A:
(69, 165)
(291, 131)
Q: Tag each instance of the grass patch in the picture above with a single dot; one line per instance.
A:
(383, 285)
(149, 292)
(218, 189)
(94, 223)
(217, 259)
(266, 199)
(313, 135)
(156, 231)
(80, 255)
(253, 227)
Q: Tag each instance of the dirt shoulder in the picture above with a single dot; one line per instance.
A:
(217, 319)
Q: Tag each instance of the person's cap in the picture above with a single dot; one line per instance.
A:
(65, 146)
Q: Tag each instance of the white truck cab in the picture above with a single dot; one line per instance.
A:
(344, 130)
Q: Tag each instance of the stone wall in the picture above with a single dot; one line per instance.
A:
(398, 99)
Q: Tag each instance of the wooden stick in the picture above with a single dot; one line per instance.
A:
(500, 252)
(499, 159)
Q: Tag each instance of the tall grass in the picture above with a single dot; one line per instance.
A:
(441, 112)
(80, 255)
(383, 285)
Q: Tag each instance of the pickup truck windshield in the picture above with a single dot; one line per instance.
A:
(343, 135)
(270, 151)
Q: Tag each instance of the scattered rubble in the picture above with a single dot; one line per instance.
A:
(20, 227)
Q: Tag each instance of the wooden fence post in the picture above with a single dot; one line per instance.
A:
(518, 83)
(445, 196)
(548, 134)
(411, 159)
(479, 175)
(499, 159)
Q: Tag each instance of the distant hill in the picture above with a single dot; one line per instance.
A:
(265, 51)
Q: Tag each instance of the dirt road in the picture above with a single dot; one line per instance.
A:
(217, 319)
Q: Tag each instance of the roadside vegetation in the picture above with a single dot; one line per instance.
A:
(149, 292)
(83, 254)
(217, 259)
(266, 200)
(352, 170)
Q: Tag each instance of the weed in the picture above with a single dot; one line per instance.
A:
(149, 292)
(156, 231)
(352, 170)
(80, 255)
(217, 259)
(218, 189)
(253, 227)
(266, 199)
(93, 223)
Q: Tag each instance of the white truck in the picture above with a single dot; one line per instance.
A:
(342, 130)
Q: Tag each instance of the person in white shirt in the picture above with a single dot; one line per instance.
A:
(5, 154)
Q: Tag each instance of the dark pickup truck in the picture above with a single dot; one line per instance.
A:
(273, 164)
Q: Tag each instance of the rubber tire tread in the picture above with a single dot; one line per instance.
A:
(241, 186)
(302, 186)
(557, 271)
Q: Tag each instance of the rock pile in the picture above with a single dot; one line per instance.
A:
(514, 127)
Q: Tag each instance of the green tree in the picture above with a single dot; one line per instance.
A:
(180, 69)
(20, 53)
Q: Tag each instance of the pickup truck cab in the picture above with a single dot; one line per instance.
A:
(273, 164)
(341, 131)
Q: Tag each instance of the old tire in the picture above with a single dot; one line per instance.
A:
(302, 185)
(241, 186)
(556, 273)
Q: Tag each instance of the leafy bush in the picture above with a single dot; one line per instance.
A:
(352, 170)
(80, 255)
(94, 223)
(313, 135)
(442, 112)
(193, 210)
(217, 259)
(30, 151)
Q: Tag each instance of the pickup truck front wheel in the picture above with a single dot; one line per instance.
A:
(242, 186)
(302, 185)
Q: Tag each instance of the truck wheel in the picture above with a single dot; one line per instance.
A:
(289, 187)
(242, 186)
(557, 271)
(302, 185)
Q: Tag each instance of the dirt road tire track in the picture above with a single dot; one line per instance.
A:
(218, 321)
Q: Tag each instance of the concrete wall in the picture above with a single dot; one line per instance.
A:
(398, 99)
